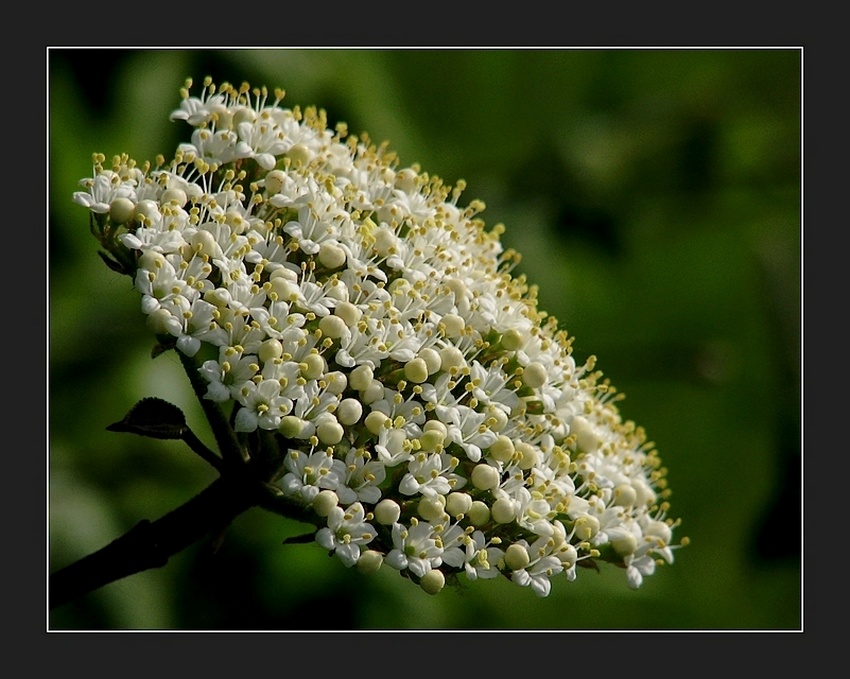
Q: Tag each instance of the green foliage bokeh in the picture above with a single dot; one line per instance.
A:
(655, 196)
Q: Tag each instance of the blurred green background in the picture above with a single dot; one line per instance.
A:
(656, 198)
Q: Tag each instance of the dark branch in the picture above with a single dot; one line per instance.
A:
(150, 544)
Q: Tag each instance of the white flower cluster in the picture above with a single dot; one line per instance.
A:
(426, 411)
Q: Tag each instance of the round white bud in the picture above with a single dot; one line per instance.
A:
(324, 502)
(374, 392)
(660, 530)
(313, 366)
(431, 508)
(361, 377)
(333, 326)
(203, 241)
(586, 527)
(151, 260)
(236, 221)
(370, 561)
(432, 359)
(274, 182)
(534, 375)
(336, 382)
(503, 510)
(285, 289)
(299, 154)
(478, 514)
(458, 504)
(285, 274)
(502, 449)
(433, 581)
(485, 477)
(270, 350)
(499, 418)
(645, 494)
(516, 557)
(586, 437)
(512, 339)
(432, 440)
(451, 357)
(385, 241)
(175, 196)
(329, 431)
(331, 255)
(146, 210)
(161, 322)
(121, 210)
(349, 313)
(416, 371)
(528, 455)
(376, 421)
(454, 325)
(624, 495)
(568, 555)
(349, 411)
(625, 544)
(243, 114)
(406, 180)
(387, 512)
(436, 425)
(291, 427)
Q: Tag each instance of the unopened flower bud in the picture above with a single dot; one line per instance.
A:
(370, 561)
(485, 477)
(387, 512)
(433, 581)
(324, 502)
(349, 411)
(516, 557)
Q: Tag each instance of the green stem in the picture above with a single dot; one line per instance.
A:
(228, 444)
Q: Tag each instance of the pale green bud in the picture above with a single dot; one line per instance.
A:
(458, 504)
(512, 340)
(624, 495)
(516, 557)
(485, 477)
(121, 210)
(332, 326)
(331, 255)
(313, 366)
(431, 508)
(349, 411)
(503, 510)
(387, 512)
(502, 448)
(370, 561)
(291, 427)
(432, 359)
(433, 581)
(361, 377)
(376, 421)
(329, 431)
(416, 371)
(324, 502)
(534, 375)
(478, 514)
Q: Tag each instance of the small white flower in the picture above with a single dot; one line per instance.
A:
(346, 533)
(417, 548)
(309, 473)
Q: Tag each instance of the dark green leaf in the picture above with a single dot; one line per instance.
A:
(155, 418)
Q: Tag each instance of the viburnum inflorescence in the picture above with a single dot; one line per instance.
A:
(369, 341)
